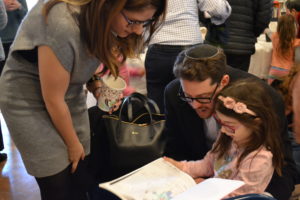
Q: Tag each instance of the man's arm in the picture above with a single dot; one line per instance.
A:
(217, 10)
(171, 131)
(262, 15)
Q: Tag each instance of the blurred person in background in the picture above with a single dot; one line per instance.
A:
(284, 42)
(180, 30)
(3, 22)
(247, 21)
(16, 10)
(296, 107)
(293, 8)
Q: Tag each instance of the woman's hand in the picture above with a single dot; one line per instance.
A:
(76, 153)
(55, 81)
(117, 105)
(177, 164)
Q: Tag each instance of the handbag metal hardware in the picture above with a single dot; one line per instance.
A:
(134, 133)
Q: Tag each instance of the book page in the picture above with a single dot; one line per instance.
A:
(210, 189)
(154, 181)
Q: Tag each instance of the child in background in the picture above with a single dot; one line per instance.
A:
(247, 147)
(126, 71)
(284, 42)
(293, 8)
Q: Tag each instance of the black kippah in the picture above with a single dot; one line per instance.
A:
(201, 51)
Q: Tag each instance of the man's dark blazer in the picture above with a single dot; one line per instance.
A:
(186, 137)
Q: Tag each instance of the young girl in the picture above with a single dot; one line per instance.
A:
(284, 42)
(248, 147)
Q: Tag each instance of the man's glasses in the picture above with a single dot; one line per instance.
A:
(132, 22)
(228, 128)
(202, 100)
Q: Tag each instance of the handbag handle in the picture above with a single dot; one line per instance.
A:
(144, 100)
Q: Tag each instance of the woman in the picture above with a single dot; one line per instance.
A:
(57, 49)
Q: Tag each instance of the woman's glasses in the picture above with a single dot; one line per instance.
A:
(228, 128)
(202, 100)
(132, 22)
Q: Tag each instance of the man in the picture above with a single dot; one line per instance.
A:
(179, 31)
(190, 128)
(247, 21)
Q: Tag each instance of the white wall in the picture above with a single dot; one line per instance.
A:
(31, 3)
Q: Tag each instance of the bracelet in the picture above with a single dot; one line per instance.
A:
(94, 78)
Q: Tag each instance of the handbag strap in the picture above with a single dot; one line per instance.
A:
(144, 101)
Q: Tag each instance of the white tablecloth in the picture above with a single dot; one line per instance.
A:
(261, 59)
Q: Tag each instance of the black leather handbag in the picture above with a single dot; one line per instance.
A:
(135, 138)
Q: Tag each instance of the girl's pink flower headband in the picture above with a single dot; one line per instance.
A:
(238, 107)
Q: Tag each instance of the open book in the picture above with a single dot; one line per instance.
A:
(160, 180)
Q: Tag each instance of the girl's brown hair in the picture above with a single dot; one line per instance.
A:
(95, 20)
(286, 86)
(287, 31)
(265, 125)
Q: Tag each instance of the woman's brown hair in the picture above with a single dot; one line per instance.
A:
(287, 31)
(95, 20)
(265, 125)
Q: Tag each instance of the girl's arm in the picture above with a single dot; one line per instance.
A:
(200, 168)
(54, 84)
(256, 172)
(196, 169)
